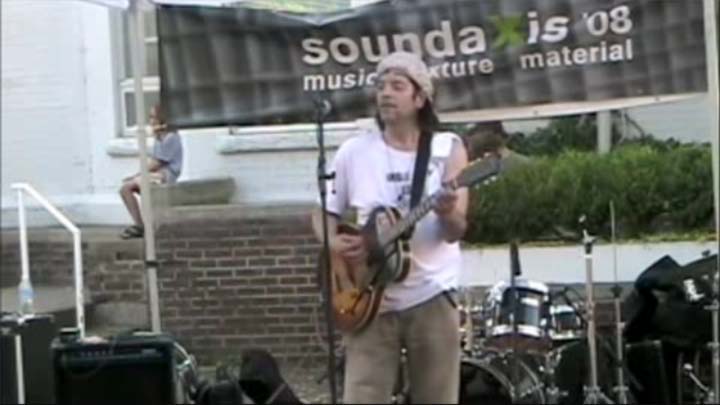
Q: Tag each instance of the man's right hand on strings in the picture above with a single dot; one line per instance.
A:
(350, 247)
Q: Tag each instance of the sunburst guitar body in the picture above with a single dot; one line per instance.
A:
(357, 289)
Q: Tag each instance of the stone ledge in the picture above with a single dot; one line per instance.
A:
(210, 191)
(175, 215)
(280, 138)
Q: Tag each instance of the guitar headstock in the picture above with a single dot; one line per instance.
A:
(477, 171)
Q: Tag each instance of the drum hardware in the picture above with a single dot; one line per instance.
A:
(621, 388)
(593, 394)
(703, 394)
(514, 315)
(553, 395)
(467, 311)
(605, 345)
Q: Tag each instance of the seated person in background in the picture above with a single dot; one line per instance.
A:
(164, 168)
(489, 138)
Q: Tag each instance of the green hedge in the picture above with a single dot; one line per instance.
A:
(653, 189)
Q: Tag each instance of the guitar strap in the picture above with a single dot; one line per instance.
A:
(419, 173)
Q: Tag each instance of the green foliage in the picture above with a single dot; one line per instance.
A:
(575, 133)
(562, 134)
(653, 189)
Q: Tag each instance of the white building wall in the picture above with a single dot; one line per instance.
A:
(60, 123)
(44, 120)
(687, 121)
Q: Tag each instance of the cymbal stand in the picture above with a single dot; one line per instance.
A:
(621, 388)
(593, 394)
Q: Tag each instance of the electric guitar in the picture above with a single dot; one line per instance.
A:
(357, 290)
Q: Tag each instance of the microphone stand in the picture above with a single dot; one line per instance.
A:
(514, 311)
(593, 393)
(714, 395)
(322, 109)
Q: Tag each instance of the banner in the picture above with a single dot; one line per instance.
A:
(244, 66)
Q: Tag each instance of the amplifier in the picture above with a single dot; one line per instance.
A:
(25, 345)
(129, 369)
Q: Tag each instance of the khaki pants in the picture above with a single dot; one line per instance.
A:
(430, 334)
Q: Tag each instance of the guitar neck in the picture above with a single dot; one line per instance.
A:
(415, 215)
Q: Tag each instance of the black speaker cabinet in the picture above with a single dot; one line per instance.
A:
(32, 337)
(652, 364)
(131, 370)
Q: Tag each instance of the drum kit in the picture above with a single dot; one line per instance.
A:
(526, 344)
(523, 344)
(530, 362)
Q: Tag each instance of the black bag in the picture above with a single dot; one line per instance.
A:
(226, 392)
(261, 380)
(669, 303)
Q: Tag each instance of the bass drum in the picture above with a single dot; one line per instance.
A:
(488, 380)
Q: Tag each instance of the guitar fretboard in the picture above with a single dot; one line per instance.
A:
(415, 215)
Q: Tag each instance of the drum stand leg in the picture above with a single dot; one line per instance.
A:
(552, 391)
(621, 388)
(714, 396)
(593, 394)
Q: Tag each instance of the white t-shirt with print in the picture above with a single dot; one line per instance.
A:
(369, 173)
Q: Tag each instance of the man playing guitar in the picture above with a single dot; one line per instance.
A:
(415, 311)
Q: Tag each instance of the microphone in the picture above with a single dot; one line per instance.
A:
(322, 106)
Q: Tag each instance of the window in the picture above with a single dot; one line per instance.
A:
(151, 79)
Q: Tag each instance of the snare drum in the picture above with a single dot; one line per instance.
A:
(532, 311)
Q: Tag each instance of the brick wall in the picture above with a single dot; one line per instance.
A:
(229, 279)
(113, 268)
(231, 283)
(51, 261)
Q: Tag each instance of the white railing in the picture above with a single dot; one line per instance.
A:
(77, 247)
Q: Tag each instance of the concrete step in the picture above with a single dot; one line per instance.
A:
(48, 298)
(58, 301)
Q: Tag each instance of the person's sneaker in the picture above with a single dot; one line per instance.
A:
(133, 231)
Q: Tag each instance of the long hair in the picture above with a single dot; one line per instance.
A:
(427, 119)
